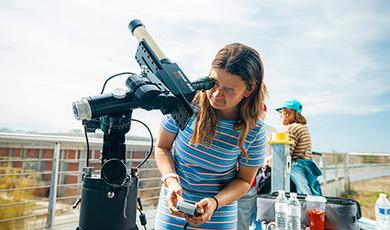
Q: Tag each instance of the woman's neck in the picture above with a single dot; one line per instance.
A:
(230, 114)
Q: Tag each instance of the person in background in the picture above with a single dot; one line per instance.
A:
(246, 206)
(201, 167)
(304, 171)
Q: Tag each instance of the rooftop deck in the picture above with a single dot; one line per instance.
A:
(41, 177)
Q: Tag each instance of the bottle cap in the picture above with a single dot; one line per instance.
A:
(293, 195)
(382, 195)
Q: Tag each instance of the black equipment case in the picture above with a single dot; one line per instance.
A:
(340, 213)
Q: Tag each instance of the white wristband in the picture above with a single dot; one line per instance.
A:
(169, 175)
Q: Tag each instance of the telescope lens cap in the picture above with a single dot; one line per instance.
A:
(134, 24)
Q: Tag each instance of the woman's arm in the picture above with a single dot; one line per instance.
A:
(166, 165)
(163, 153)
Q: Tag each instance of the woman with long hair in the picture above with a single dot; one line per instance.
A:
(291, 116)
(304, 171)
(213, 161)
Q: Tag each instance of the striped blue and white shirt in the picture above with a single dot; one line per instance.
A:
(205, 170)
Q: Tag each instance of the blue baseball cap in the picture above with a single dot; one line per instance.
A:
(291, 104)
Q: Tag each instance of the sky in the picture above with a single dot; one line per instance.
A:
(333, 56)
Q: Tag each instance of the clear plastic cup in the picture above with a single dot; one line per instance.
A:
(316, 212)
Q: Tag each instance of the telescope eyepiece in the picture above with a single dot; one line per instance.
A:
(203, 84)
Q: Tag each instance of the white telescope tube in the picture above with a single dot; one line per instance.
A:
(139, 31)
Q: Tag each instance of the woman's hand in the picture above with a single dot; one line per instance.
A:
(206, 207)
(175, 193)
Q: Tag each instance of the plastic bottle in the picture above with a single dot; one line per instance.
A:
(281, 204)
(382, 207)
(293, 213)
(388, 219)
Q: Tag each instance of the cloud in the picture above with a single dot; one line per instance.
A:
(52, 53)
(322, 57)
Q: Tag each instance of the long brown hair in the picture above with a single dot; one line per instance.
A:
(245, 62)
(293, 116)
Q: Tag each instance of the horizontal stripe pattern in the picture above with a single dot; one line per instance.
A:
(223, 218)
(300, 136)
(205, 170)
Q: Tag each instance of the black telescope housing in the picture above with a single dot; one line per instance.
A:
(109, 200)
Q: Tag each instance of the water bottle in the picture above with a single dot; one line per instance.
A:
(388, 219)
(281, 211)
(382, 207)
(293, 213)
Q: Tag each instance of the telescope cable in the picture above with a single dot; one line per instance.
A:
(142, 217)
(115, 75)
(151, 143)
(85, 126)
(140, 165)
(150, 133)
(86, 138)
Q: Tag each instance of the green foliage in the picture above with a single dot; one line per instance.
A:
(15, 197)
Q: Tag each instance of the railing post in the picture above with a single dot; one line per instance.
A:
(81, 154)
(53, 187)
(324, 169)
(336, 173)
(347, 173)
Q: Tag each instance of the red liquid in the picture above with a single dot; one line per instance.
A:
(316, 219)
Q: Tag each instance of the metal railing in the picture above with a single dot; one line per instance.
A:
(341, 169)
(40, 176)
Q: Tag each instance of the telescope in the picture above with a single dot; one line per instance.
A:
(109, 200)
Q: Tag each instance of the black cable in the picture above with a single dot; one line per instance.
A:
(140, 165)
(104, 86)
(185, 226)
(115, 75)
(151, 143)
(125, 202)
(150, 133)
(86, 138)
(142, 217)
